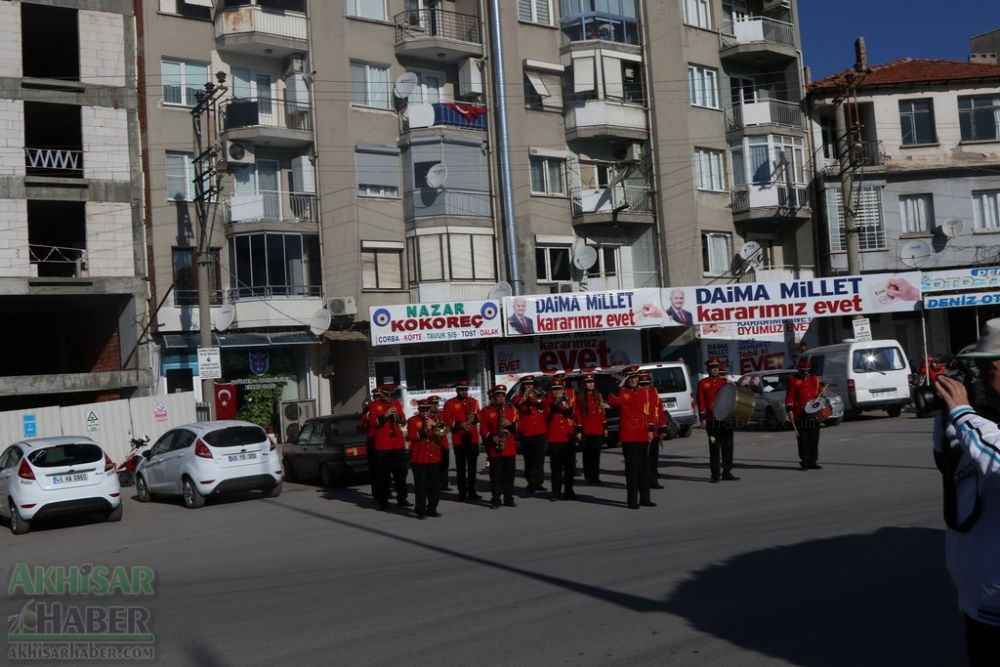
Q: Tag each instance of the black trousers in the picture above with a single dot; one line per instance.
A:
(390, 464)
(533, 451)
(465, 468)
(592, 446)
(561, 468)
(808, 441)
(502, 470)
(426, 486)
(653, 465)
(982, 642)
(636, 471)
(372, 466)
(445, 464)
(720, 448)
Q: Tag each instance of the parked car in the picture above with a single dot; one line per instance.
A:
(45, 477)
(330, 449)
(604, 382)
(769, 388)
(198, 460)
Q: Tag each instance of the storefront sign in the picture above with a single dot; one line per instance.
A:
(435, 322)
(955, 280)
(960, 300)
(567, 353)
(582, 311)
(209, 363)
(755, 345)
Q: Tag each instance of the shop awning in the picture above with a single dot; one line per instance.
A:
(191, 341)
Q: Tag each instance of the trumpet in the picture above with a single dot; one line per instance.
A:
(440, 429)
(536, 394)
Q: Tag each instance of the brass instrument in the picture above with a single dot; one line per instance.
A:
(536, 394)
(440, 429)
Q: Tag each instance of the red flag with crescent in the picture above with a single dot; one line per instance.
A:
(225, 401)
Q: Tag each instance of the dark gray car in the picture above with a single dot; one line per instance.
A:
(330, 449)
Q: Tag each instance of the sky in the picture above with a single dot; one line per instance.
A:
(893, 29)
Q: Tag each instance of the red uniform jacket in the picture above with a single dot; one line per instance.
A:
(633, 425)
(801, 392)
(491, 423)
(592, 413)
(368, 426)
(454, 413)
(561, 421)
(930, 371)
(707, 389)
(388, 433)
(530, 416)
(652, 407)
(424, 447)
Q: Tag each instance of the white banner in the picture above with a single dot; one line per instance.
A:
(435, 322)
(582, 311)
(576, 352)
(952, 280)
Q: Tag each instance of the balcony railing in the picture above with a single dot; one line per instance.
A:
(771, 195)
(756, 30)
(604, 113)
(871, 154)
(59, 162)
(272, 205)
(444, 114)
(777, 273)
(256, 19)
(624, 199)
(189, 297)
(768, 112)
(452, 203)
(266, 112)
(57, 261)
(274, 292)
(423, 24)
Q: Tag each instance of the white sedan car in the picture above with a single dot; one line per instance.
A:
(55, 476)
(198, 460)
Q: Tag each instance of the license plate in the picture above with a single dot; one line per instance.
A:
(671, 404)
(68, 479)
(883, 392)
(242, 457)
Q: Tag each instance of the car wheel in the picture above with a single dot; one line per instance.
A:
(126, 478)
(289, 471)
(894, 410)
(771, 420)
(192, 497)
(116, 513)
(326, 478)
(273, 492)
(685, 431)
(18, 526)
(142, 493)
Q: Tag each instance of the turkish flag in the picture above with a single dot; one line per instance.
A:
(225, 401)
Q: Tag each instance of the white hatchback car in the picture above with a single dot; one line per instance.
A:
(55, 476)
(197, 460)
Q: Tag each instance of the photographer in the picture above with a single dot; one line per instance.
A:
(967, 451)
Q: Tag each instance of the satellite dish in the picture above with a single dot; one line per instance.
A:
(951, 227)
(500, 290)
(913, 253)
(404, 85)
(585, 257)
(737, 267)
(437, 175)
(750, 252)
(320, 322)
(224, 318)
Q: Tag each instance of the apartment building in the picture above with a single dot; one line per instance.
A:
(923, 142)
(72, 267)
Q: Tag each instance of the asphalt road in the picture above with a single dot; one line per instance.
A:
(842, 566)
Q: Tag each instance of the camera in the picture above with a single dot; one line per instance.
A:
(927, 400)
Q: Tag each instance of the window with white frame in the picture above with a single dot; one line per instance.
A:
(986, 210)
(868, 218)
(916, 214)
(552, 263)
(716, 252)
(452, 257)
(703, 86)
(180, 177)
(182, 79)
(607, 262)
(370, 85)
(979, 117)
(696, 13)
(367, 9)
(789, 159)
(535, 11)
(270, 264)
(196, 9)
(377, 170)
(708, 173)
(916, 120)
(381, 265)
(543, 89)
(750, 162)
(548, 176)
(429, 88)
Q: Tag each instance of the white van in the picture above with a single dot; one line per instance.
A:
(869, 375)
(673, 384)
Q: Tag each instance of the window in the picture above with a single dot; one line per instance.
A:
(708, 169)
(543, 89)
(916, 213)
(789, 159)
(547, 176)
(180, 177)
(181, 80)
(696, 13)
(534, 11)
(703, 86)
(606, 265)
(370, 85)
(451, 257)
(979, 117)
(429, 88)
(750, 162)
(552, 263)
(716, 253)
(868, 218)
(194, 10)
(266, 265)
(185, 265)
(377, 169)
(367, 9)
(916, 119)
(381, 265)
(986, 209)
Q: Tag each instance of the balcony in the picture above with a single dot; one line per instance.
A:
(438, 35)
(758, 42)
(871, 155)
(603, 118)
(274, 123)
(54, 162)
(257, 30)
(57, 261)
(777, 274)
(600, 26)
(440, 292)
(444, 114)
(428, 202)
(272, 206)
(768, 112)
(770, 202)
(618, 204)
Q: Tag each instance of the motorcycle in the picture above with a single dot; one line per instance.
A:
(126, 471)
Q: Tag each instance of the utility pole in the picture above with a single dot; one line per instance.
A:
(845, 139)
(207, 187)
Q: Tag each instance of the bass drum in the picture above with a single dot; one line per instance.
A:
(733, 404)
(819, 409)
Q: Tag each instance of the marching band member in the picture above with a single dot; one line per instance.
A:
(636, 434)
(425, 458)
(390, 447)
(595, 432)
(562, 433)
(531, 429)
(461, 413)
(571, 395)
(652, 408)
(720, 433)
(802, 390)
(369, 427)
(497, 423)
(445, 447)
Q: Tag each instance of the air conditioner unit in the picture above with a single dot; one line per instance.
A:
(628, 152)
(237, 153)
(562, 287)
(470, 79)
(341, 306)
(293, 415)
(295, 64)
(777, 4)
